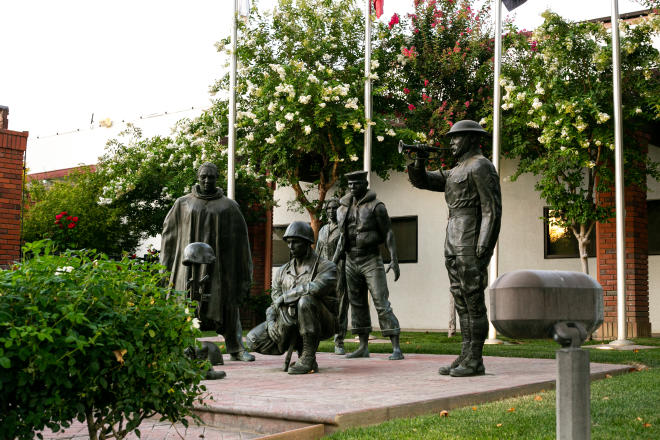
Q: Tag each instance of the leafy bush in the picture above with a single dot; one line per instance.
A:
(97, 226)
(85, 337)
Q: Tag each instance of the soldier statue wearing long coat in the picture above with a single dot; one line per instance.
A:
(207, 216)
(472, 192)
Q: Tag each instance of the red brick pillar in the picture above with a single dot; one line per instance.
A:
(637, 285)
(12, 154)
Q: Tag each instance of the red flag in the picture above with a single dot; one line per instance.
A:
(378, 6)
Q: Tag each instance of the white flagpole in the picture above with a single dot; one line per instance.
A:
(493, 267)
(367, 89)
(618, 185)
(231, 193)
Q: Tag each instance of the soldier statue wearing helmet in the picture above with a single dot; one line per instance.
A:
(472, 192)
(304, 304)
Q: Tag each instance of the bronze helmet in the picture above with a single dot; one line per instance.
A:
(301, 230)
(198, 253)
(466, 126)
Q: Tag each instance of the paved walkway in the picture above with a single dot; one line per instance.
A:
(258, 399)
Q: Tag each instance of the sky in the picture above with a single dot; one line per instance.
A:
(136, 60)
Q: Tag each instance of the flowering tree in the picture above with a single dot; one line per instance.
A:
(144, 176)
(557, 114)
(300, 94)
(445, 64)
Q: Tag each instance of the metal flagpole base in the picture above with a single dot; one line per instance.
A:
(493, 341)
(621, 343)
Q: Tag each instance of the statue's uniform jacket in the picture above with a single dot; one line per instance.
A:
(309, 306)
(472, 192)
(364, 227)
(326, 244)
(217, 221)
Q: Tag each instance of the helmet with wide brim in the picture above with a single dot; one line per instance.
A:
(198, 253)
(466, 126)
(300, 230)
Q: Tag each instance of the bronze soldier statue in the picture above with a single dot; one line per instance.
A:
(304, 304)
(207, 216)
(365, 225)
(326, 245)
(472, 192)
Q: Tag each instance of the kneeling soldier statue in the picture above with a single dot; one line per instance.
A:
(304, 308)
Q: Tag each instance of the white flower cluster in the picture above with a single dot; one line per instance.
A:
(279, 126)
(375, 64)
(333, 93)
(352, 103)
(247, 114)
(279, 69)
(282, 89)
(602, 117)
(390, 132)
(311, 78)
(307, 129)
(304, 99)
(536, 104)
(270, 139)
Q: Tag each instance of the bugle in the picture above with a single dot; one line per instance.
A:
(422, 150)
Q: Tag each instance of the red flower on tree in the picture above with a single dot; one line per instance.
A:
(394, 20)
(411, 107)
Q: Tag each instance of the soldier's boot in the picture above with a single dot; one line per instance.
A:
(363, 349)
(307, 362)
(339, 347)
(396, 349)
(465, 350)
(212, 374)
(473, 364)
(241, 355)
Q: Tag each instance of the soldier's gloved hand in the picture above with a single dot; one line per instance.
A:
(481, 251)
(394, 265)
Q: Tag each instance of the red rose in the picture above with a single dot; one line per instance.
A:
(68, 218)
(63, 213)
(72, 225)
(406, 90)
(411, 107)
(75, 219)
(58, 216)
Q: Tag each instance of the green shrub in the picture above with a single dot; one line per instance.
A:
(88, 338)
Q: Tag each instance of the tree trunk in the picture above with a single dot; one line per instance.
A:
(316, 225)
(583, 240)
(91, 424)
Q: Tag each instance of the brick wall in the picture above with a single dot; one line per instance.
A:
(636, 265)
(12, 153)
(260, 235)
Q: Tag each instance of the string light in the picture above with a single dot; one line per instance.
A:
(107, 123)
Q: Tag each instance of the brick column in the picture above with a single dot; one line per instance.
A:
(637, 286)
(12, 153)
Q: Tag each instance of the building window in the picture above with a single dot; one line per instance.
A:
(405, 235)
(653, 209)
(560, 242)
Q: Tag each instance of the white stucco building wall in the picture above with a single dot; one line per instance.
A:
(420, 298)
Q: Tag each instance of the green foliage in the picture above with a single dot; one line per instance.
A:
(300, 92)
(445, 63)
(144, 176)
(98, 225)
(557, 117)
(85, 337)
